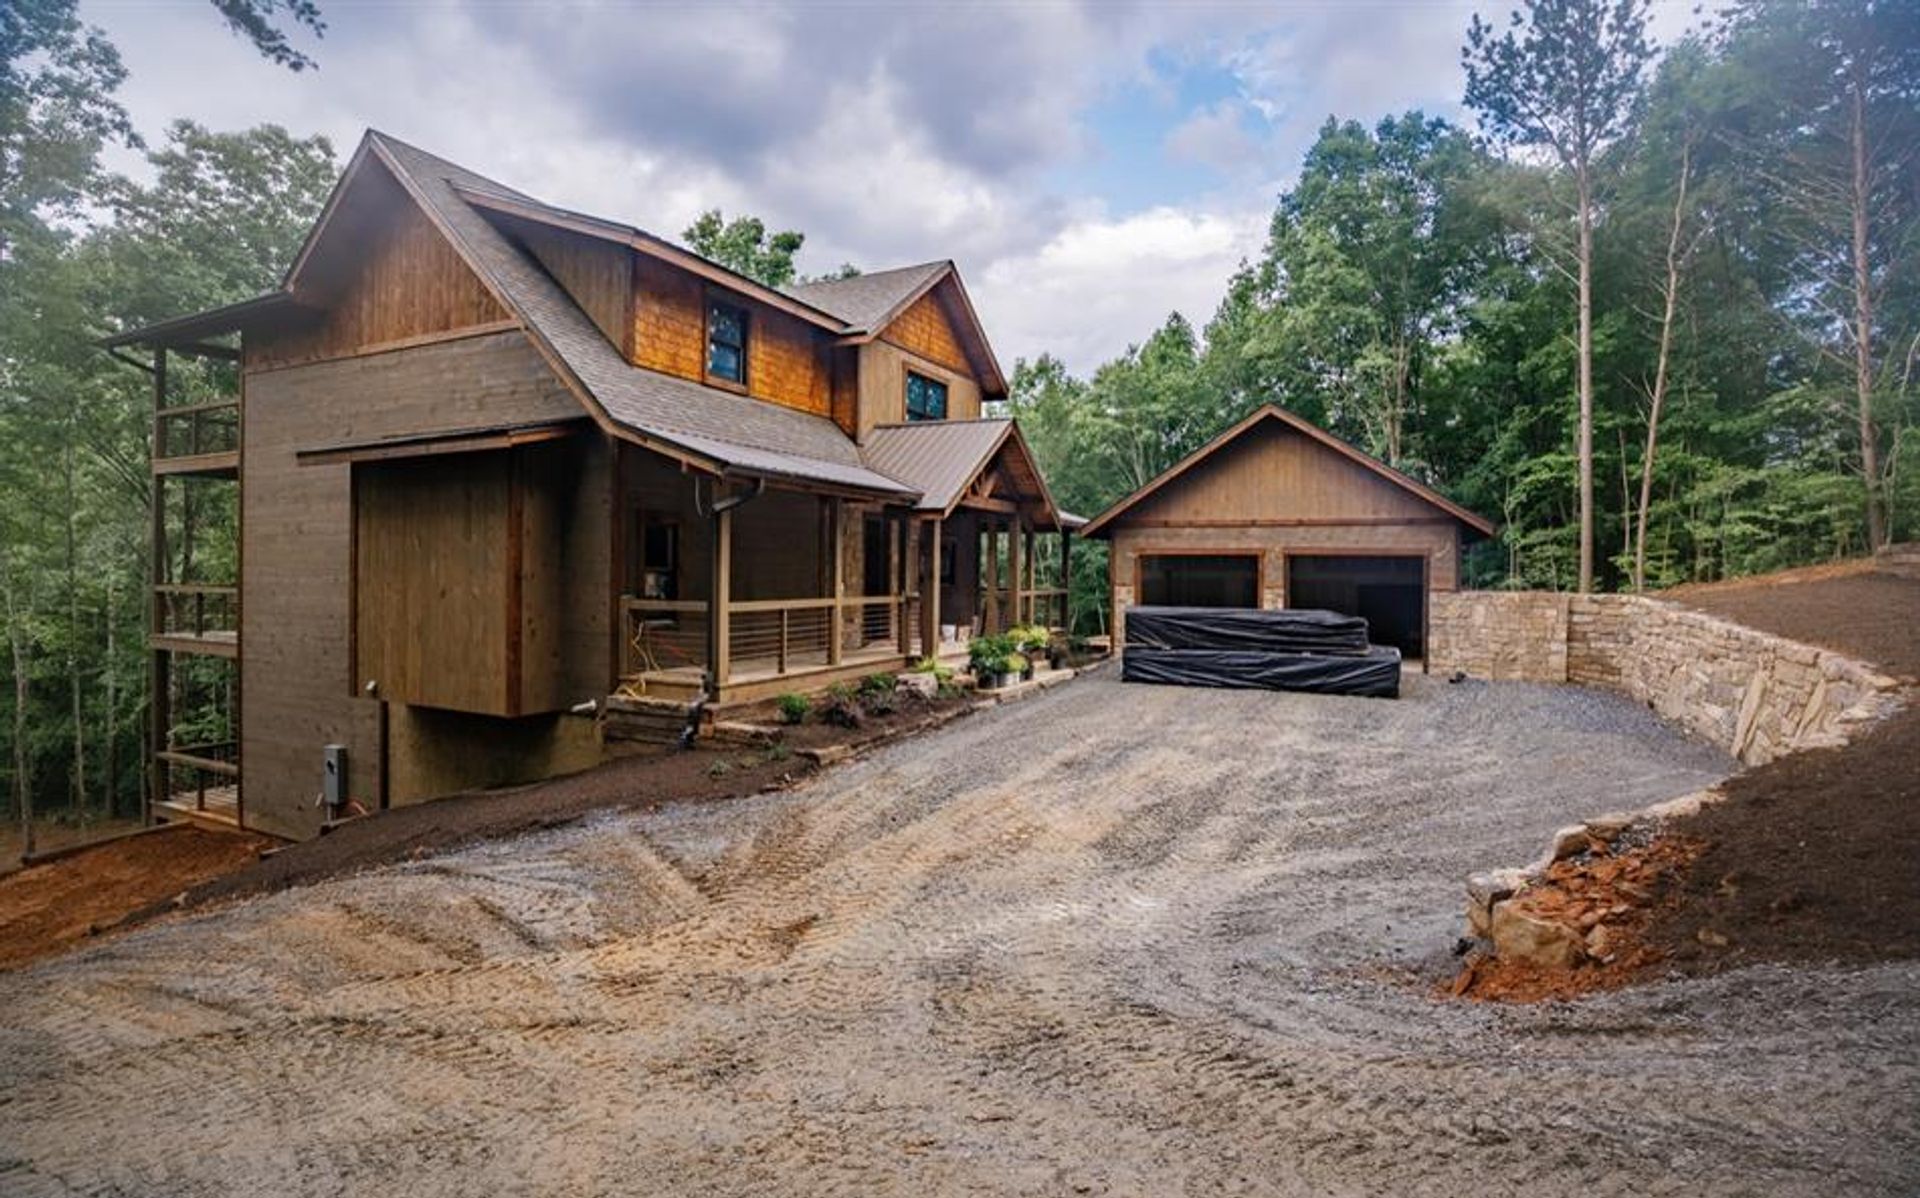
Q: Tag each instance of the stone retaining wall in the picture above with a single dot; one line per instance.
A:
(1757, 695)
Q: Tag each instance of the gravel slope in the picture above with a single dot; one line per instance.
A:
(1116, 939)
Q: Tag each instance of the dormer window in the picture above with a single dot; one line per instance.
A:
(727, 343)
(926, 398)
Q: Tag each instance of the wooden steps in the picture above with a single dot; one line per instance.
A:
(650, 721)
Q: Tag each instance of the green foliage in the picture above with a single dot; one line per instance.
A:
(840, 706)
(743, 244)
(931, 665)
(878, 684)
(1029, 638)
(986, 653)
(793, 708)
(255, 21)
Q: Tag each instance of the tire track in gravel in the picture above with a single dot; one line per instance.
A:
(1117, 939)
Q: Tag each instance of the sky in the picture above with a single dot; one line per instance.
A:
(1091, 165)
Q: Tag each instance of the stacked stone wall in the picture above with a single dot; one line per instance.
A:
(1759, 696)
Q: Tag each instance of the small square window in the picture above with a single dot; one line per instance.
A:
(727, 343)
(926, 398)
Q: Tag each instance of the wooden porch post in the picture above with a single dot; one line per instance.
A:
(1033, 575)
(990, 573)
(903, 572)
(1066, 581)
(1016, 567)
(836, 538)
(719, 640)
(930, 593)
(160, 714)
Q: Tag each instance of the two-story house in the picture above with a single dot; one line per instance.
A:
(497, 461)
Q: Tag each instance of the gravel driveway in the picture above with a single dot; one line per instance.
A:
(1117, 939)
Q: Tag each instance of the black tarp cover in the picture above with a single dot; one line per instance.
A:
(1320, 652)
(1285, 631)
(1375, 674)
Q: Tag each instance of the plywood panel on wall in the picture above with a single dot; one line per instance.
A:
(434, 574)
(382, 274)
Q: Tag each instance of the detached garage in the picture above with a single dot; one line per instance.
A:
(1277, 513)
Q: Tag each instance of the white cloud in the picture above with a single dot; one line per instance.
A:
(1101, 284)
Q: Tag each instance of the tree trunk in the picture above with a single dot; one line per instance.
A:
(109, 770)
(1863, 317)
(22, 760)
(1586, 381)
(75, 696)
(1659, 393)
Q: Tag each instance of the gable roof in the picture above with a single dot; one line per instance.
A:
(1271, 411)
(867, 303)
(721, 431)
(942, 458)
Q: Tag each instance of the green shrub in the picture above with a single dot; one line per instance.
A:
(1014, 663)
(985, 653)
(931, 665)
(1029, 638)
(720, 768)
(793, 708)
(878, 684)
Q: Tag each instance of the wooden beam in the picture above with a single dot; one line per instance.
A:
(930, 594)
(1005, 507)
(903, 573)
(1066, 580)
(1016, 570)
(836, 539)
(989, 574)
(720, 604)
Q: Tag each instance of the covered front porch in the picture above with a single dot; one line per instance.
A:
(745, 591)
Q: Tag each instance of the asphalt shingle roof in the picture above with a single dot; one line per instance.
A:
(731, 430)
(865, 301)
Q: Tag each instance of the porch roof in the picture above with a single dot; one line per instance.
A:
(942, 459)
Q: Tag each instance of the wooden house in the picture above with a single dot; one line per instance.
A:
(1276, 512)
(497, 461)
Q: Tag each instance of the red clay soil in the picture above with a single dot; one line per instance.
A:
(1611, 899)
(1816, 856)
(48, 907)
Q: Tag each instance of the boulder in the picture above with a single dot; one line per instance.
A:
(1568, 841)
(924, 685)
(1520, 936)
(1486, 889)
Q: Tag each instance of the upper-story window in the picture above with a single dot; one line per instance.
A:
(926, 398)
(727, 342)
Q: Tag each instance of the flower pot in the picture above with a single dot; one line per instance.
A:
(1007, 680)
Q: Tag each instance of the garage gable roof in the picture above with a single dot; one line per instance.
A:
(1271, 411)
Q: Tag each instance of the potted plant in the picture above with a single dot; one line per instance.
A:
(986, 656)
(1031, 640)
(1013, 668)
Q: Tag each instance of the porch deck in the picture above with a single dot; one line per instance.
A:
(214, 807)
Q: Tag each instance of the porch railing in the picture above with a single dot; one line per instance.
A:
(198, 610)
(197, 430)
(193, 770)
(764, 636)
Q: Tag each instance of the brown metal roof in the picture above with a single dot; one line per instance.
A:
(1271, 411)
(942, 458)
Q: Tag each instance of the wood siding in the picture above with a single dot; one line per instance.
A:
(788, 361)
(1275, 492)
(927, 330)
(598, 274)
(298, 677)
(883, 385)
(385, 276)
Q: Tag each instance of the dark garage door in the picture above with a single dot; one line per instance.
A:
(1200, 580)
(1390, 593)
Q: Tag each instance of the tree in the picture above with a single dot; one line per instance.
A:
(1832, 92)
(743, 244)
(1564, 77)
(254, 20)
(1368, 255)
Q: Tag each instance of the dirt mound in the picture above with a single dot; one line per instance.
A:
(1812, 857)
(44, 908)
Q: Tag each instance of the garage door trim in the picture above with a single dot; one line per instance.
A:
(1259, 557)
(1426, 581)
